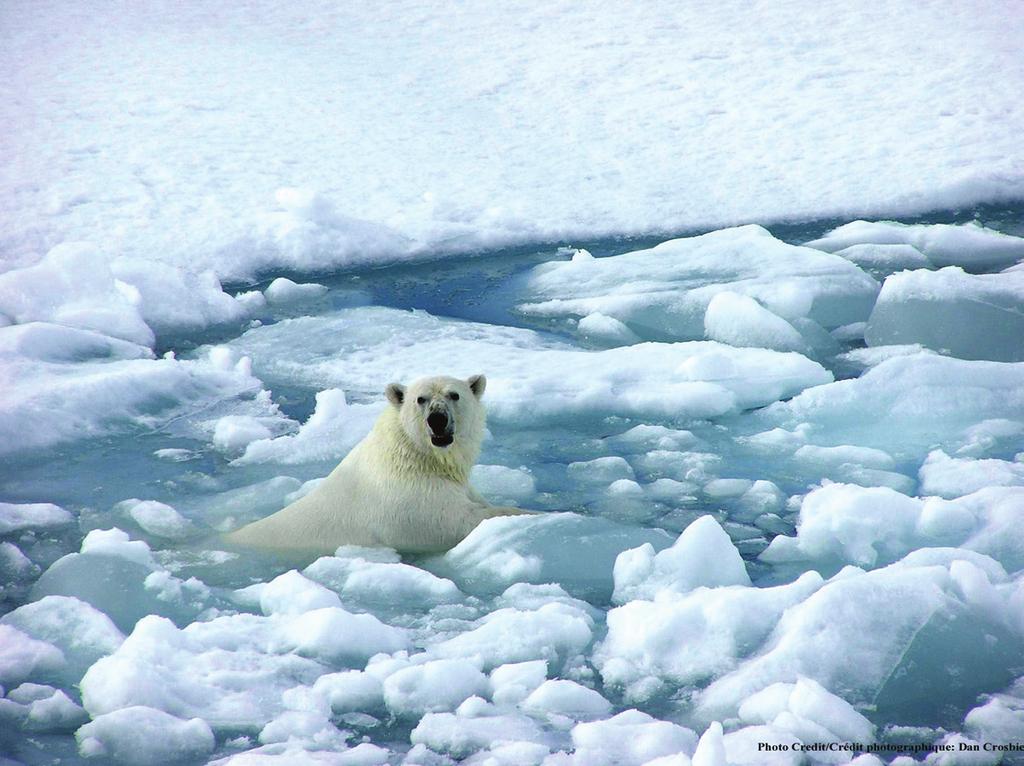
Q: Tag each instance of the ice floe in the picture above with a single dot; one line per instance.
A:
(667, 291)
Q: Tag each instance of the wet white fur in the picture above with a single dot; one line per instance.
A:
(395, 488)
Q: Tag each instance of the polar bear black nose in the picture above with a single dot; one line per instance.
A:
(438, 422)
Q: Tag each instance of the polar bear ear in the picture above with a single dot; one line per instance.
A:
(477, 384)
(395, 392)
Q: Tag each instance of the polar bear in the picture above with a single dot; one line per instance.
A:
(405, 486)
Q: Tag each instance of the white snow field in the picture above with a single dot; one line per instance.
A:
(774, 436)
(318, 134)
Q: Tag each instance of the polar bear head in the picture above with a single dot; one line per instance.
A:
(441, 413)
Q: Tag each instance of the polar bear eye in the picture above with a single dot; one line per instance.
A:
(421, 400)
(453, 396)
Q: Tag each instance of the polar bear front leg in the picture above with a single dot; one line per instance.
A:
(491, 511)
(487, 510)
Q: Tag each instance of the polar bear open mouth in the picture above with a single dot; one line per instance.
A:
(442, 440)
(441, 427)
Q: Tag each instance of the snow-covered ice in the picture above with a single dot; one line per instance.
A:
(355, 349)
(362, 576)
(317, 147)
(334, 427)
(631, 737)
(973, 247)
(283, 290)
(776, 452)
(156, 518)
(50, 401)
(16, 517)
(733, 285)
(144, 736)
(41, 708)
(80, 632)
(702, 556)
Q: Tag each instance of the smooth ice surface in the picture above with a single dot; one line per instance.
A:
(563, 697)
(1000, 718)
(78, 285)
(500, 483)
(856, 525)
(555, 632)
(953, 477)
(513, 682)
(667, 291)
(882, 260)
(73, 286)
(970, 316)
(291, 593)
(156, 518)
(502, 551)
(22, 656)
(739, 320)
(432, 687)
(807, 702)
(461, 735)
(907, 404)
(39, 708)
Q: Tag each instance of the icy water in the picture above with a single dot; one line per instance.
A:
(633, 473)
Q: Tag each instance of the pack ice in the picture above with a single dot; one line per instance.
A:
(778, 501)
(741, 286)
(970, 307)
(778, 474)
